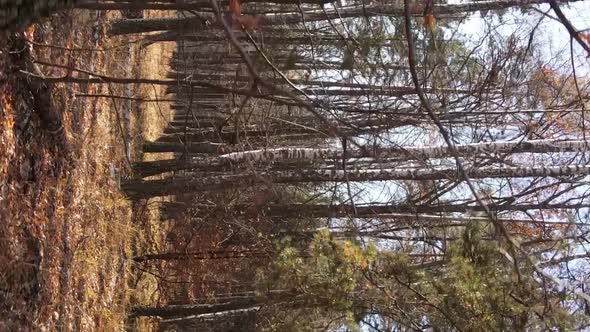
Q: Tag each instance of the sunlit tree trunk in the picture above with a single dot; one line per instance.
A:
(411, 153)
(243, 320)
(193, 309)
(309, 155)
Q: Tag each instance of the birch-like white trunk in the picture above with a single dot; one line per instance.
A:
(411, 153)
(311, 155)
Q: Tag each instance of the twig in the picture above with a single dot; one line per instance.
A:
(568, 25)
(272, 88)
(447, 138)
(121, 129)
(579, 93)
(140, 99)
(514, 245)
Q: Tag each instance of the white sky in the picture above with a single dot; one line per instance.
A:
(551, 34)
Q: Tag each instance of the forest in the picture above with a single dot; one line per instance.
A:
(294, 165)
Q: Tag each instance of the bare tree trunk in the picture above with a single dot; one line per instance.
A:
(215, 305)
(310, 155)
(440, 10)
(192, 309)
(174, 134)
(243, 320)
(380, 211)
(201, 255)
(191, 123)
(19, 13)
(411, 153)
(204, 147)
(128, 26)
(153, 188)
(171, 5)
(397, 9)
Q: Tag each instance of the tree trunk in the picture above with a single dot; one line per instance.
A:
(383, 211)
(243, 320)
(201, 255)
(128, 26)
(230, 136)
(201, 124)
(204, 147)
(411, 153)
(149, 168)
(170, 311)
(173, 186)
(439, 10)
(397, 9)
(279, 155)
(16, 14)
(215, 305)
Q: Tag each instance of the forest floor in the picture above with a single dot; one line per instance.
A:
(67, 235)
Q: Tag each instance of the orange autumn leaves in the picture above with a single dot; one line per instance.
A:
(428, 15)
(585, 36)
(238, 21)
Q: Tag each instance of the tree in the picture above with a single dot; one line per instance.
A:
(18, 14)
(477, 289)
(320, 135)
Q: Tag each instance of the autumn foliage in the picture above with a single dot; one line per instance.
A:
(238, 21)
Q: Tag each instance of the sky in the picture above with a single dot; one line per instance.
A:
(551, 34)
(555, 51)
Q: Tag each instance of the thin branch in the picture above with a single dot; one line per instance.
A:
(568, 25)
(432, 114)
(514, 245)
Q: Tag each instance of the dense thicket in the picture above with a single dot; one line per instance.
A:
(366, 166)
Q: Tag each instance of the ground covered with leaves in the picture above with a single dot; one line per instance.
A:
(66, 232)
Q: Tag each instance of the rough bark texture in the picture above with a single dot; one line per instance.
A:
(173, 186)
(128, 26)
(410, 153)
(385, 211)
(243, 320)
(308, 155)
(220, 254)
(135, 26)
(192, 309)
(16, 14)
(209, 148)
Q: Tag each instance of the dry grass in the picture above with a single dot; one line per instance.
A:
(66, 232)
(148, 120)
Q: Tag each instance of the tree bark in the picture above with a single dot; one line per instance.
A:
(230, 136)
(440, 10)
(170, 311)
(141, 25)
(243, 320)
(310, 155)
(411, 153)
(173, 186)
(204, 147)
(383, 211)
(16, 14)
(201, 255)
